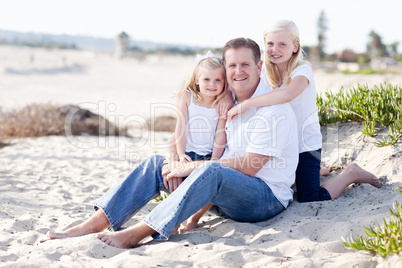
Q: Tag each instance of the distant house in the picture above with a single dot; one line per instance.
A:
(346, 56)
(121, 47)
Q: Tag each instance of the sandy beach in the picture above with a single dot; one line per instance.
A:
(51, 182)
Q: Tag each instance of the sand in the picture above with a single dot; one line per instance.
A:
(51, 182)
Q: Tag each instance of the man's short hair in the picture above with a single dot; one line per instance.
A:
(243, 42)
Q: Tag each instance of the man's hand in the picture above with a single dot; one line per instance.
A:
(173, 173)
(177, 169)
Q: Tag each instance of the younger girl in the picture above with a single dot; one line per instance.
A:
(200, 132)
(291, 79)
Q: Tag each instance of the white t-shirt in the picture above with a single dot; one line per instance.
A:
(305, 109)
(202, 122)
(270, 131)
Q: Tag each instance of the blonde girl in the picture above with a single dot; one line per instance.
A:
(291, 78)
(199, 133)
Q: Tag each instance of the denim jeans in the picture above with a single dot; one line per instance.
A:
(197, 157)
(308, 178)
(235, 195)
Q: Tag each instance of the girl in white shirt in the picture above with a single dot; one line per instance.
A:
(291, 78)
(200, 131)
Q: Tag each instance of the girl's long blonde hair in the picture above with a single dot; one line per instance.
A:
(209, 63)
(298, 58)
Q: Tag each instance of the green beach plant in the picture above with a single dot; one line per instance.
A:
(374, 107)
(381, 240)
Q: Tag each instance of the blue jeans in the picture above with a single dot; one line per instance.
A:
(235, 195)
(308, 178)
(197, 157)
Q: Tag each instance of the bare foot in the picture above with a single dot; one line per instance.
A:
(190, 225)
(79, 230)
(118, 239)
(324, 171)
(360, 175)
(176, 230)
(53, 235)
(127, 238)
(95, 224)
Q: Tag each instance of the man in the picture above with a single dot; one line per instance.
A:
(250, 183)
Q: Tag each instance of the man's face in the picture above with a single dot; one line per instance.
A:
(243, 74)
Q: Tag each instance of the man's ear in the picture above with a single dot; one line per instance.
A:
(259, 66)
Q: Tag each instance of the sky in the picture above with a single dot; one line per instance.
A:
(207, 23)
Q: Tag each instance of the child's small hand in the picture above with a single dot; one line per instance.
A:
(225, 104)
(184, 158)
(223, 109)
(236, 111)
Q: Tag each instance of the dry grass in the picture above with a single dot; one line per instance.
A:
(38, 120)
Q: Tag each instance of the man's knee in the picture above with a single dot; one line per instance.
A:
(156, 160)
(211, 166)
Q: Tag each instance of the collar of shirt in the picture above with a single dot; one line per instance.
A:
(261, 89)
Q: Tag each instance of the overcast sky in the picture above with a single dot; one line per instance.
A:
(207, 22)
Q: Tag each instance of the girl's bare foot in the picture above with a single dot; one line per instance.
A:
(324, 171)
(177, 229)
(190, 225)
(360, 175)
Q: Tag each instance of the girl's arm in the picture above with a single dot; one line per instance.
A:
(225, 103)
(220, 139)
(181, 130)
(294, 89)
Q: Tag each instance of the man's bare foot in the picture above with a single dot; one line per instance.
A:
(324, 171)
(95, 224)
(120, 239)
(53, 235)
(127, 238)
(360, 175)
(75, 231)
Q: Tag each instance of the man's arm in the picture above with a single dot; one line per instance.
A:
(249, 165)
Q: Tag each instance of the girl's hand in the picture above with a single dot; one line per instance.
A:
(225, 104)
(223, 109)
(236, 111)
(184, 158)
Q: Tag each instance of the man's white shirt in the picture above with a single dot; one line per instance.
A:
(270, 131)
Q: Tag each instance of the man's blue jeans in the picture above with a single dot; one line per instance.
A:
(235, 195)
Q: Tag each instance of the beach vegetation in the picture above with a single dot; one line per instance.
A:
(365, 71)
(162, 197)
(377, 107)
(381, 240)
